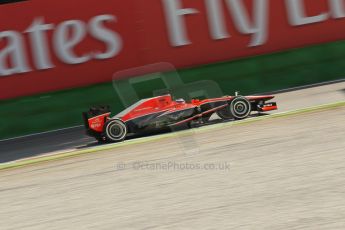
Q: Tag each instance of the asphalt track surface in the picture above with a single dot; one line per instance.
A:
(277, 173)
(75, 138)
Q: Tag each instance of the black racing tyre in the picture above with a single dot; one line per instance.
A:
(115, 130)
(240, 108)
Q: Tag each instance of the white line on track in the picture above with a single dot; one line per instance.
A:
(41, 133)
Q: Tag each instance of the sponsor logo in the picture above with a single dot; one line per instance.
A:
(164, 31)
(66, 35)
(256, 25)
(96, 123)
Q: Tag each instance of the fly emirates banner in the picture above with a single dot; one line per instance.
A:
(48, 45)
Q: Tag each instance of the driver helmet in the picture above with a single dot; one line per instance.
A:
(180, 101)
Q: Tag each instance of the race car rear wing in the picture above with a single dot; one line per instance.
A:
(95, 118)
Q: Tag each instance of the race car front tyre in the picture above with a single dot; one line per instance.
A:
(240, 108)
(115, 130)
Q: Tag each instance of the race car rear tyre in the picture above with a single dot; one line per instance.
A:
(240, 108)
(115, 130)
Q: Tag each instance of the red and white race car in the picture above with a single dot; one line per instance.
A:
(162, 112)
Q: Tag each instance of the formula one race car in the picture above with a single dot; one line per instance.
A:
(162, 112)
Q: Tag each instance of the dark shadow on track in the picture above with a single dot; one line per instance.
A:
(159, 132)
(36, 145)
